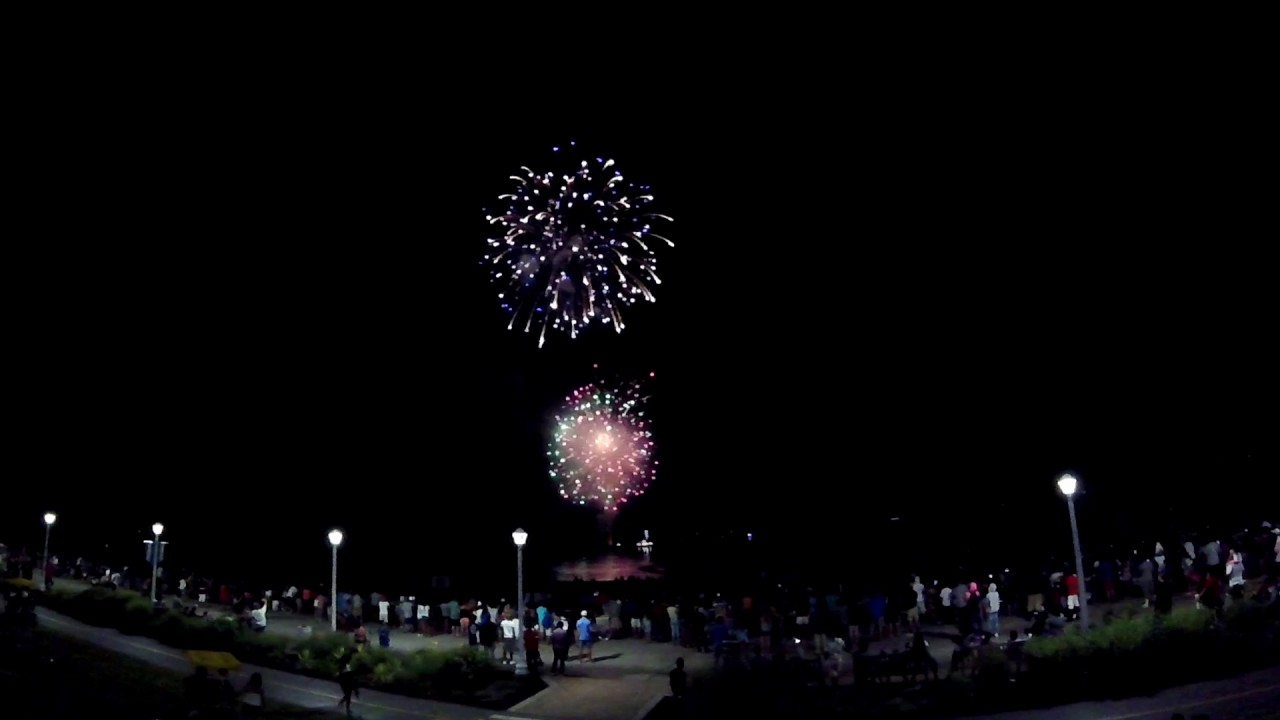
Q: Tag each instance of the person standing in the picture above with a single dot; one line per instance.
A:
(679, 679)
(561, 641)
(510, 638)
(992, 600)
(347, 683)
(1072, 584)
(584, 638)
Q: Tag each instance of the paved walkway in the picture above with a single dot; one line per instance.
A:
(1255, 696)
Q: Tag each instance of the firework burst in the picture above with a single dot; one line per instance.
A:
(573, 247)
(601, 450)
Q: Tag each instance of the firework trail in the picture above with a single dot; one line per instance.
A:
(574, 246)
(601, 449)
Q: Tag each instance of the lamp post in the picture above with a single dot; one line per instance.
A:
(49, 519)
(1068, 484)
(335, 539)
(520, 537)
(156, 528)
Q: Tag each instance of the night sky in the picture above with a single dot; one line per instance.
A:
(253, 325)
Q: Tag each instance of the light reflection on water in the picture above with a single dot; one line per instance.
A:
(609, 567)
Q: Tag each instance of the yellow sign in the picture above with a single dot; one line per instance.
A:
(213, 660)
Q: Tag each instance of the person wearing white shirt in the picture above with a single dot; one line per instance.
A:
(384, 611)
(510, 638)
(993, 610)
(258, 617)
(915, 613)
(424, 617)
(1235, 572)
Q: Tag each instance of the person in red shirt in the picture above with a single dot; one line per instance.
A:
(1072, 584)
(532, 657)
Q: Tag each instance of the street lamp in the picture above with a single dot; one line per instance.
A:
(1068, 485)
(520, 537)
(157, 528)
(335, 539)
(49, 519)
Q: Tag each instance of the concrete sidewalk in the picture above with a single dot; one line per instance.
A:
(1254, 696)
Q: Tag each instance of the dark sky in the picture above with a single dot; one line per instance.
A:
(254, 319)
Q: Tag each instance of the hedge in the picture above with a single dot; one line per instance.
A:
(1142, 651)
(458, 675)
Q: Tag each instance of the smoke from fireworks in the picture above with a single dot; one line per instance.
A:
(573, 247)
(601, 450)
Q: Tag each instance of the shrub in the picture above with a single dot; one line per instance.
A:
(320, 654)
(1144, 651)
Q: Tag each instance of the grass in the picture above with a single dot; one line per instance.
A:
(45, 675)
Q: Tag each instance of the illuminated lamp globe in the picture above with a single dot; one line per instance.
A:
(49, 518)
(157, 528)
(335, 537)
(519, 537)
(1067, 484)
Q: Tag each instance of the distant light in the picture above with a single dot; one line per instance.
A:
(519, 537)
(1067, 484)
(50, 518)
(894, 519)
(157, 528)
(335, 537)
(749, 537)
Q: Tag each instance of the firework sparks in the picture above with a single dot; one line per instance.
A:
(573, 248)
(601, 450)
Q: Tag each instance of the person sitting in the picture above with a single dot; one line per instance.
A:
(200, 693)
(1014, 651)
(1039, 622)
(920, 658)
(252, 698)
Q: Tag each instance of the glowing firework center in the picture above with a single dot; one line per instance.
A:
(573, 248)
(601, 452)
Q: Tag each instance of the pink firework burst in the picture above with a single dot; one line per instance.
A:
(601, 449)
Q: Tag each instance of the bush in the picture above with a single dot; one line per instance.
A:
(425, 672)
(1145, 651)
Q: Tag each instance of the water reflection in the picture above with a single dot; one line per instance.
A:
(609, 567)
